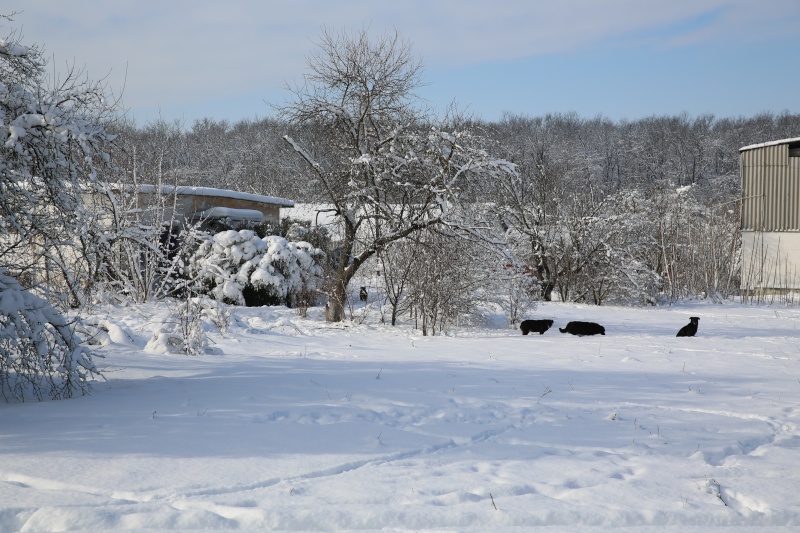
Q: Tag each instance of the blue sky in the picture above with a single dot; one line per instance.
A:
(624, 59)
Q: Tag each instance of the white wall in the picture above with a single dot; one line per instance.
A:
(770, 260)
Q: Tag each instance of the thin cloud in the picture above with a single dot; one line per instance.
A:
(746, 22)
(187, 51)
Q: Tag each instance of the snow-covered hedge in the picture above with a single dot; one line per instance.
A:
(240, 267)
(40, 354)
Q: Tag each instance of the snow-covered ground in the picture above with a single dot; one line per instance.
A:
(293, 424)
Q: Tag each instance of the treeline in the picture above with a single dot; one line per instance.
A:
(251, 155)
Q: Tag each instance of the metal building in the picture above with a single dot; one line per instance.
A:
(770, 216)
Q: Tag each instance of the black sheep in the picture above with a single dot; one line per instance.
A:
(689, 329)
(535, 325)
(583, 328)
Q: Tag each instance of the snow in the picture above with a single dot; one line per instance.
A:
(14, 134)
(294, 424)
(13, 49)
(237, 215)
(300, 150)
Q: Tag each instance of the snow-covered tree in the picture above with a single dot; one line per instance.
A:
(533, 202)
(52, 150)
(384, 171)
(611, 253)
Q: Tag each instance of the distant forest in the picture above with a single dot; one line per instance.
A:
(605, 155)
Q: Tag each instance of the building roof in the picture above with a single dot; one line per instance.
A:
(208, 191)
(770, 143)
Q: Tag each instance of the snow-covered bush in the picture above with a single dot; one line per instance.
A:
(241, 268)
(185, 330)
(41, 356)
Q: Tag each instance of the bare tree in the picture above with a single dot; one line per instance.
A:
(446, 283)
(397, 262)
(516, 289)
(384, 172)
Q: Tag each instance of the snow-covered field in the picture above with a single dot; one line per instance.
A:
(293, 424)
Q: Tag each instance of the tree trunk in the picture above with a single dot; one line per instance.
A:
(334, 310)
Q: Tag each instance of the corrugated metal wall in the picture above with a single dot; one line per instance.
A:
(770, 189)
